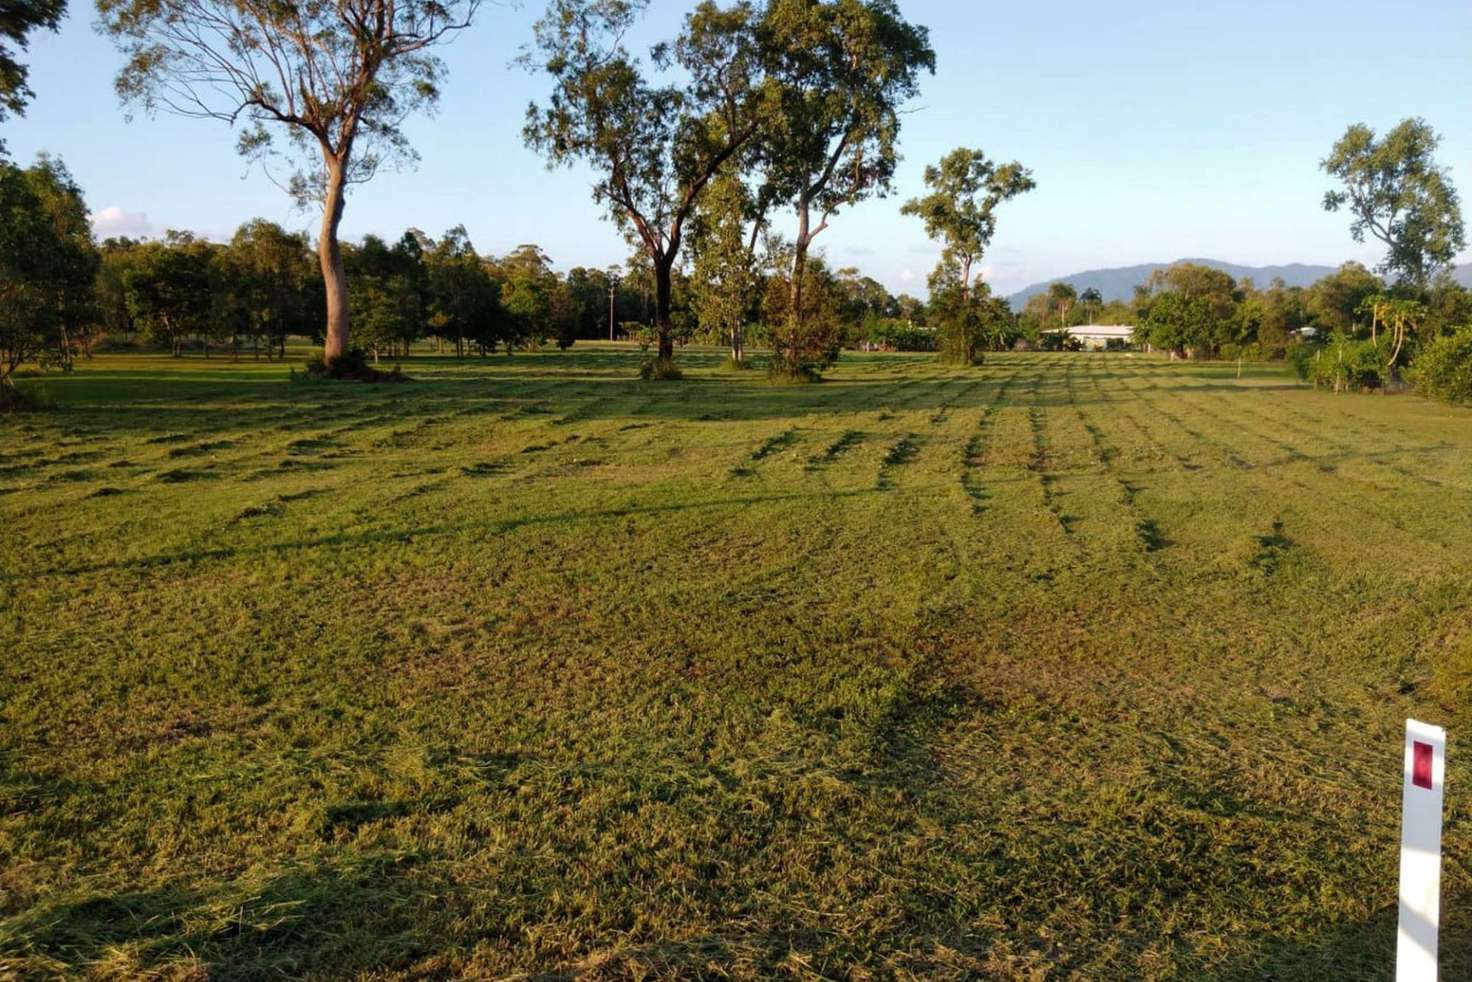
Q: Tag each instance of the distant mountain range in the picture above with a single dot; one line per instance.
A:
(1119, 283)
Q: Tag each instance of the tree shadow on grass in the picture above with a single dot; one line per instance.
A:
(454, 529)
(1364, 950)
(368, 912)
(598, 385)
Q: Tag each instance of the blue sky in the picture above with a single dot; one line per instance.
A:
(1155, 131)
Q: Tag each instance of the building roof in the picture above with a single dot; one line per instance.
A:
(1095, 330)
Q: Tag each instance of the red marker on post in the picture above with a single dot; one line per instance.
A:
(1420, 853)
(1422, 754)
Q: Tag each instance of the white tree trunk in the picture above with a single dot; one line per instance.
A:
(334, 277)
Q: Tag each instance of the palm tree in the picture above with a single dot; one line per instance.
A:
(1092, 299)
(1062, 295)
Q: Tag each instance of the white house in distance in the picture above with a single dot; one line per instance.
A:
(1097, 337)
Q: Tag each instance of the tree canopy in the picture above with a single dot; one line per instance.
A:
(1397, 193)
(1190, 309)
(653, 145)
(960, 210)
(168, 290)
(725, 271)
(47, 266)
(842, 70)
(18, 19)
(1336, 299)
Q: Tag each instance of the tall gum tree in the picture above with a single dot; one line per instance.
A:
(1397, 193)
(725, 270)
(339, 76)
(843, 70)
(960, 212)
(654, 147)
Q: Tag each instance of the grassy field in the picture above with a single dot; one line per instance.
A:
(1066, 666)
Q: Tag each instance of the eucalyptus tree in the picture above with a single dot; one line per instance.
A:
(726, 270)
(388, 292)
(169, 290)
(866, 297)
(842, 69)
(960, 211)
(654, 145)
(18, 18)
(270, 268)
(592, 293)
(529, 295)
(48, 265)
(338, 77)
(113, 318)
(1396, 192)
(464, 299)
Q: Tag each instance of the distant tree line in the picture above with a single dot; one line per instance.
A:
(243, 298)
(246, 296)
(748, 111)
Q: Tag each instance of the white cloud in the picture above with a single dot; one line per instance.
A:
(114, 221)
(907, 275)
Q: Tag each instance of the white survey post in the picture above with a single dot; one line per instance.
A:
(1420, 853)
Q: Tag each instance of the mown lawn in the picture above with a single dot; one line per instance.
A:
(1066, 666)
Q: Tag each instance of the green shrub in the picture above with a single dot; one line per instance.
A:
(805, 358)
(646, 336)
(1245, 352)
(659, 370)
(894, 335)
(960, 336)
(12, 400)
(960, 343)
(350, 366)
(1344, 364)
(785, 370)
(1302, 360)
(346, 365)
(1443, 368)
